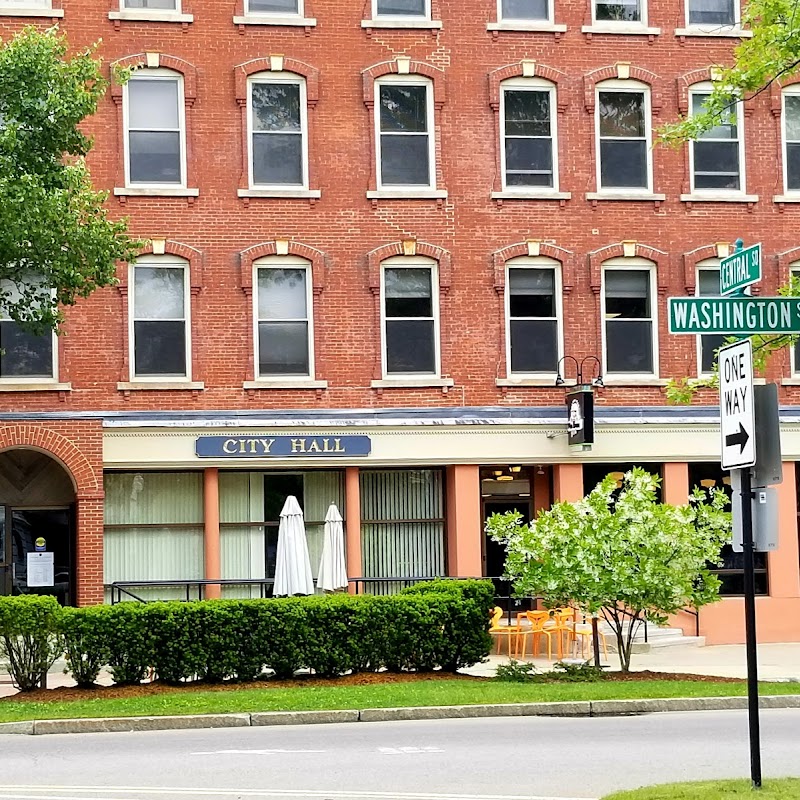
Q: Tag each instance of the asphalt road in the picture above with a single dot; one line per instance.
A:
(501, 759)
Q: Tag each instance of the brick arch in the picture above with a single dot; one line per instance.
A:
(614, 72)
(627, 250)
(686, 81)
(694, 257)
(784, 259)
(283, 247)
(276, 63)
(60, 449)
(776, 93)
(410, 248)
(402, 65)
(534, 248)
(528, 68)
(164, 61)
(195, 257)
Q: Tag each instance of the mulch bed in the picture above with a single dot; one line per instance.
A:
(62, 693)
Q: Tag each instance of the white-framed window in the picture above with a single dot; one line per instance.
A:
(159, 331)
(712, 13)
(716, 159)
(283, 314)
(533, 316)
(707, 285)
(155, 129)
(794, 272)
(410, 317)
(401, 9)
(525, 10)
(630, 332)
(404, 132)
(791, 139)
(277, 130)
(283, 8)
(24, 356)
(26, 4)
(623, 126)
(150, 5)
(632, 12)
(529, 151)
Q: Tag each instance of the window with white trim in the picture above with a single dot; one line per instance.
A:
(712, 13)
(159, 334)
(794, 272)
(716, 162)
(24, 355)
(791, 138)
(26, 4)
(525, 10)
(278, 131)
(410, 317)
(707, 285)
(527, 114)
(629, 317)
(404, 132)
(276, 7)
(533, 316)
(403, 9)
(626, 11)
(623, 128)
(151, 5)
(283, 318)
(155, 129)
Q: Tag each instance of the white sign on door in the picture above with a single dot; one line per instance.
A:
(736, 406)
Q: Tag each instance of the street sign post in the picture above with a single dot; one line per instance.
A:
(736, 316)
(739, 270)
(736, 405)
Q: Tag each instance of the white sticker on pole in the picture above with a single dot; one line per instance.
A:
(736, 406)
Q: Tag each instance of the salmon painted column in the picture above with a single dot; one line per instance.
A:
(675, 484)
(352, 513)
(211, 538)
(784, 574)
(464, 521)
(541, 490)
(567, 482)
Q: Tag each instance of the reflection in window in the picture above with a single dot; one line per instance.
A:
(404, 137)
(533, 323)
(283, 324)
(528, 138)
(715, 155)
(410, 322)
(791, 137)
(273, 7)
(401, 8)
(623, 135)
(23, 354)
(160, 5)
(712, 12)
(525, 9)
(618, 10)
(628, 320)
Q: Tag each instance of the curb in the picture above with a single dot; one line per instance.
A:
(593, 708)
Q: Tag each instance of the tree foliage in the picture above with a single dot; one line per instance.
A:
(57, 243)
(619, 552)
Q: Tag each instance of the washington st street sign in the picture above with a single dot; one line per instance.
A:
(736, 316)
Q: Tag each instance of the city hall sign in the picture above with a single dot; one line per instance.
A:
(281, 446)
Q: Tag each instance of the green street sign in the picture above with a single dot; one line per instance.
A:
(737, 316)
(740, 269)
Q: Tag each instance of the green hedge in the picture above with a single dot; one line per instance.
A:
(438, 624)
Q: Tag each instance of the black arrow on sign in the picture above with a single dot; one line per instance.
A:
(740, 438)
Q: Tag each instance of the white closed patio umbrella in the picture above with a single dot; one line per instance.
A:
(292, 565)
(332, 568)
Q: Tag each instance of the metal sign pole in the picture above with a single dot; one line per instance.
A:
(750, 627)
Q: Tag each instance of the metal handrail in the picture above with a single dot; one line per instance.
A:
(119, 587)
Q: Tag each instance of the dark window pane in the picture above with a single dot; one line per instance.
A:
(792, 116)
(162, 4)
(534, 345)
(621, 114)
(708, 351)
(276, 106)
(533, 157)
(155, 157)
(404, 108)
(623, 164)
(283, 348)
(716, 165)
(160, 347)
(404, 160)
(708, 283)
(273, 6)
(410, 346)
(711, 12)
(408, 292)
(793, 166)
(627, 294)
(401, 8)
(527, 113)
(617, 10)
(525, 9)
(531, 292)
(22, 354)
(731, 571)
(630, 346)
(278, 158)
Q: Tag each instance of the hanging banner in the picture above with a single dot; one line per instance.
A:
(580, 416)
(281, 446)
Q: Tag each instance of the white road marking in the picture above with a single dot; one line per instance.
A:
(252, 752)
(396, 751)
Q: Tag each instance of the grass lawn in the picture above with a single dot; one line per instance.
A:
(380, 695)
(772, 789)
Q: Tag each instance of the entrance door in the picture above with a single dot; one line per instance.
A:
(495, 552)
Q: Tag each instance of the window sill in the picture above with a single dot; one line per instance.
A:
(719, 198)
(154, 191)
(295, 22)
(150, 15)
(285, 383)
(727, 31)
(423, 24)
(524, 382)
(629, 196)
(407, 194)
(413, 383)
(32, 12)
(160, 386)
(300, 194)
(44, 386)
(791, 381)
(531, 26)
(624, 29)
(624, 381)
(786, 198)
(532, 195)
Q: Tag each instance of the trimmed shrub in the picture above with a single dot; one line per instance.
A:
(129, 641)
(85, 638)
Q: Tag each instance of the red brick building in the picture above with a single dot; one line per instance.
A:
(390, 219)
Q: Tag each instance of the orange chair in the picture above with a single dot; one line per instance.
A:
(508, 632)
(537, 620)
(584, 630)
(559, 624)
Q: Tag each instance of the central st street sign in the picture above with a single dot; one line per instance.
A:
(736, 316)
(740, 269)
(737, 421)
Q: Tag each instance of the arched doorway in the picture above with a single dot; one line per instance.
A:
(37, 514)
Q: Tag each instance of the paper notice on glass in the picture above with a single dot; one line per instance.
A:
(41, 570)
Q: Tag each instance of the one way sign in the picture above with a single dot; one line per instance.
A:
(736, 406)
